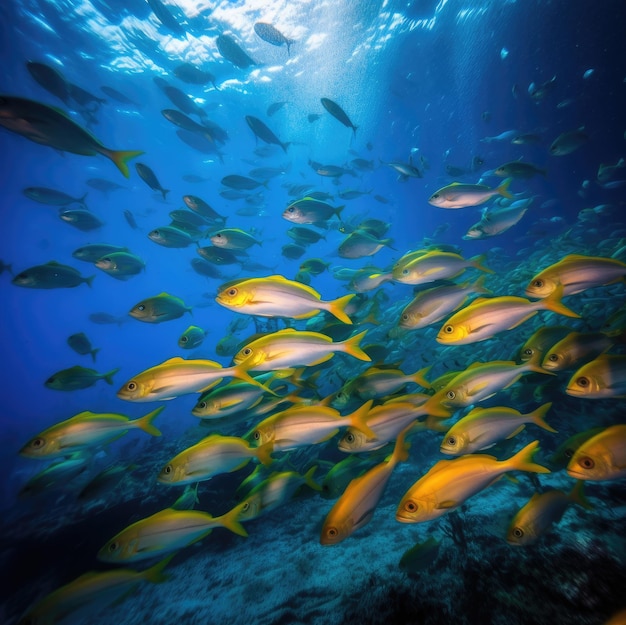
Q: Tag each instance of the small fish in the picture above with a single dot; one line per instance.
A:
(460, 195)
(496, 221)
(121, 265)
(57, 476)
(130, 219)
(601, 457)
(188, 499)
(405, 170)
(149, 177)
(361, 243)
(274, 107)
(240, 183)
(160, 308)
(170, 236)
(192, 337)
(82, 345)
(52, 275)
(272, 35)
(52, 197)
(51, 80)
(519, 169)
(198, 205)
(261, 131)
(84, 220)
(218, 255)
(92, 252)
(338, 113)
(574, 348)
(541, 90)
(310, 211)
(568, 142)
(76, 378)
(424, 266)
(233, 239)
(193, 75)
(233, 52)
(419, 557)
(605, 376)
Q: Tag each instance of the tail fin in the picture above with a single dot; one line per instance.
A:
(241, 373)
(577, 495)
(523, 460)
(308, 479)
(337, 307)
(164, 192)
(358, 420)
(230, 520)
(145, 422)
(477, 263)
(155, 573)
(538, 415)
(503, 189)
(108, 377)
(418, 377)
(351, 346)
(89, 280)
(93, 353)
(553, 302)
(121, 158)
(264, 453)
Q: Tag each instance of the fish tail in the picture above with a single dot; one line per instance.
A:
(81, 200)
(434, 408)
(523, 460)
(89, 280)
(164, 192)
(553, 302)
(285, 146)
(264, 453)
(145, 422)
(388, 243)
(230, 520)
(351, 346)
(577, 495)
(433, 423)
(242, 374)
(337, 307)
(155, 573)
(308, 478)
(479, 286)
(93, 353)
(401, 448)
(503, 189)
(418, 377)
(121, 158)
(358, 420)
(338, 210)
(538, 415)
(477, 263)
(108, 377)
(354, 130)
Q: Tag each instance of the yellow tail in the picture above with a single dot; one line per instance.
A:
(538, 415)
(351, 346)
(358, 420)
(230, 520)
(553, 302)
(338, 307)
(145, 422)
(121, 158)
(523, 460)
(503, 189)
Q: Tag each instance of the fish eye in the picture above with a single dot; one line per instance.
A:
(141, 307)
(405, 317)
(332, 532)
(405, 272)
(553, 357)
(247, 351)
(290, 209)
(113, 546)
(232, 291)
(219, 235)
(167, 469)
(448, 329)
(38, 443)
(349, 437)
(245, 507)
(435, 195)
(451, 440)
(518, 532)
(257, 435)
(410, 506)
(583, 381)
(202, 405)
(586, 462)
(528, 351)
(184, 339)
(131, 386)
(538, 283)
(450, 394)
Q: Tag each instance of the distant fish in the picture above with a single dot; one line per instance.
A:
(52, 197)
(568, 142)
(51, 80)
(82, 219)
(149, 177)
(103, 185)
(313, 117)
(519, 169)
(162, 13)
(159, 308)
(52, 275)
(183, 101)
(405, 170)
(338, 113)
(192, 337)
(121, 265)
(193, 75)
(274, 108)
(272, 35)
(77, 378)
(118, 95)
(540, 91)
(49, 126)
(232, 52)
(261, 131)
(81, 344)
(130, 219)
(235, 181)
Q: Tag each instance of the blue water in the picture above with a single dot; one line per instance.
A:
(426, 81)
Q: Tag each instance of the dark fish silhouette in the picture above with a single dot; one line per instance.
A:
(182, 121)
(184, 102)
(164, 16)
(118, 95)
(263, 132)
(149, 177)
(191, 74)
(272, 35)
(241, 182)
(51, 80)
(274, 108)
(232, 52)
(338, 113)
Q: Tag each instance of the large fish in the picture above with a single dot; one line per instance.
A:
(232, 52)
(601, 457)
(261, 131)
(272, 35)
(49, 126)
(338, 113)
(605, 376)
(52, 275)
(460, 195)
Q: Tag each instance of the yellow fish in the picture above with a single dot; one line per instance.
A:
(574, 348)
(435, 265)
(484, 318)
(601, 457)
(293, 348)
(576, 273)
(449, 483)
(540, 341)
(603, 377)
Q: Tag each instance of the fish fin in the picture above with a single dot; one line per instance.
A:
(145, 422)
(210, 385)
(418, 377)
(352, 347)
(155, 573)
(447, 505)
(553, 302)
(108, 377)
(538, 417)
(242, 374)
(577, 495)
(514, 433)
(503, 189)
(264, 453)
(337, 307)
(308, 479)
(89, 280)
(522, 460)
(358, 420)
(230, 520)
(93, 353)
(320, 360)
(476, 262)
(164, 192)
(121, 158)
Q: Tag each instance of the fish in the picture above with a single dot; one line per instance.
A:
(225, 401)
(274, 107)
(304, 236)
(164, 15)
(527, 139)
(576, 273)
(183, 101)
(276, 296)
(338, 113)
(485, 317)
(405, 170)
(356, 506)
(235, 181)
(182, 121)
(85, 430)
(574, 348)
(496, 221)
(159, 308)
(213, 455)
(84, 220)
(361, 243)
(272, 35)
(192, 337)
(171, 236)
(81, 344)
(424, 266)
(519, 169)
(543, 511)
(76, 378)
(167, 530)
(198, 205)
(432, 305)
(121, 265)
(541, 340)
(262, 132)
(49, 126)
(419, 557)
(295, 348)
(482, 428)
(313, 117)
(57, 476)
(233, 52)
(341, 474)
(149, 177)
(449, 483)
(461, 195)
(103, 185)
(92, 252)
(311, 211)
(603, 377)
(607, 172)
(104, 482)
(191, 74)
(51, 80)
(568, 142)
(188, 499)
(303, 425)
(52, 275)
(601, 457)
(218, 255)
(52, 197)
(233, 239)
(116, 94)
(178, 376)
(541, 90)
(91, 594)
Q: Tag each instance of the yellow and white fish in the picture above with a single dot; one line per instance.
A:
(574, 348)
(435, 265)
(605, 376)
(601, 457)
(460, 195)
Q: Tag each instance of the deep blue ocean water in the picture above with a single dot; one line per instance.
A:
(435, 84)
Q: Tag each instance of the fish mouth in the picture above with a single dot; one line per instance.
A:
(405, 518)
